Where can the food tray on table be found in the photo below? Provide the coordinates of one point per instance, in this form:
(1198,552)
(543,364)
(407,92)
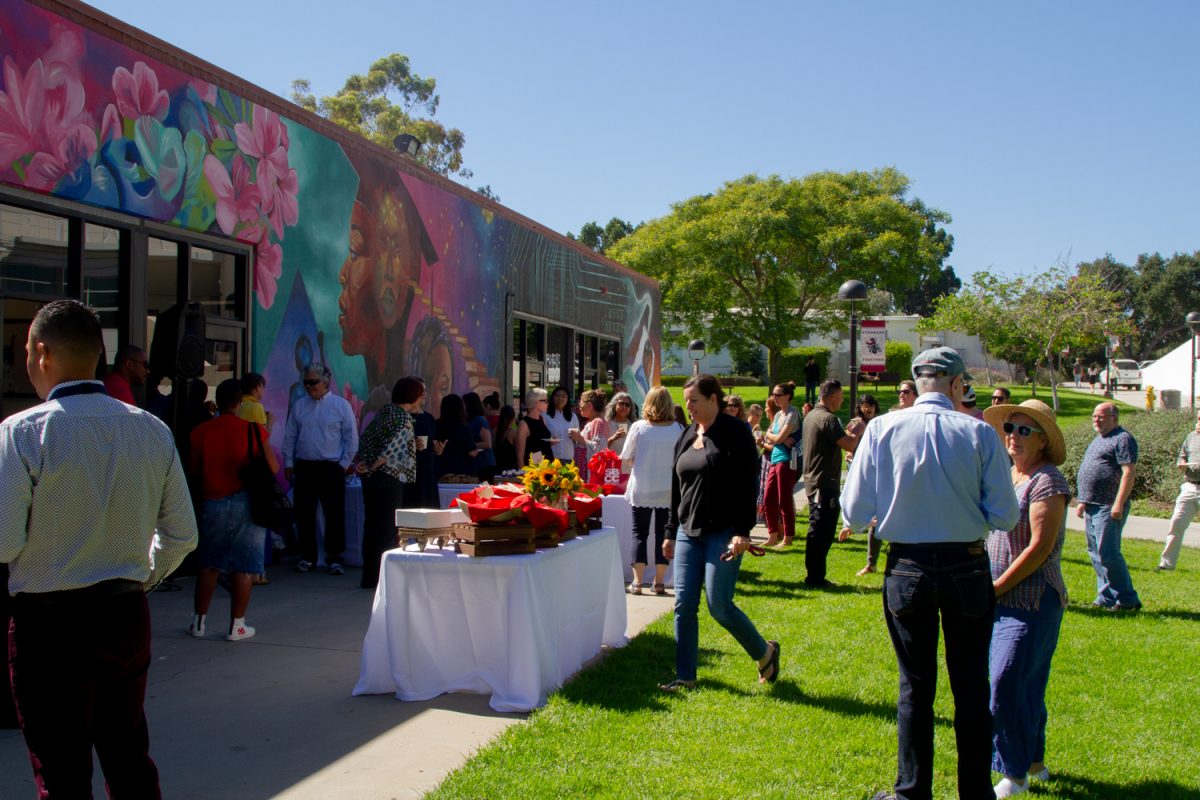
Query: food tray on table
(493,540)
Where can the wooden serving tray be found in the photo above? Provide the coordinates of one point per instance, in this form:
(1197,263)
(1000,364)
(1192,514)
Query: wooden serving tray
(477,534)
(496,548)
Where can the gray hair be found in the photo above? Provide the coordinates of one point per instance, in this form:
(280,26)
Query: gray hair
(319,369)
(934,383)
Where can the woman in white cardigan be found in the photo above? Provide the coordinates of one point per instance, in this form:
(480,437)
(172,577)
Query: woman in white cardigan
(648,456)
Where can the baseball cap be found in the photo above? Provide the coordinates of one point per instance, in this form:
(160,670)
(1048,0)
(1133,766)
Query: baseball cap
(940,359)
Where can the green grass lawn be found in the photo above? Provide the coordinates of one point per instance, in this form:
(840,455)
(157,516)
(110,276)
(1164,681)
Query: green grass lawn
(1123,701)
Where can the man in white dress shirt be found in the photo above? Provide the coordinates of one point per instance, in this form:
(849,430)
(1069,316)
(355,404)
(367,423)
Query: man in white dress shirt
(319,442)
(94,510)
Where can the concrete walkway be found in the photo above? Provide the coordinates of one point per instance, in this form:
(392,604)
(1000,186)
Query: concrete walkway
(272,717)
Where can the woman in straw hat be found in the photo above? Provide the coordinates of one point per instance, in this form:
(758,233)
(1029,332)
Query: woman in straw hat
(1030,592)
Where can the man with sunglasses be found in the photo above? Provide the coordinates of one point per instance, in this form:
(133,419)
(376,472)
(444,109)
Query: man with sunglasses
(1001,396)
(319,441)
(1105,483)
(937,481)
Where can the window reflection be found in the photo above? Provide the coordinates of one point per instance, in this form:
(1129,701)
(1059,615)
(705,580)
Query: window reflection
(33,252)
(216,284)
(101,273)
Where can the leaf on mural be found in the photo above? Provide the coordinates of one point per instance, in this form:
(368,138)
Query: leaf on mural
(161,150)
(195,149)
(223,149)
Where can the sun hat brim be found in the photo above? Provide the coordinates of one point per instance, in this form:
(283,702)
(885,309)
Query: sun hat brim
(1039,412)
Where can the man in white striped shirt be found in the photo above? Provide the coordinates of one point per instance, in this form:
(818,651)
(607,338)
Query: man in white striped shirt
(94,510)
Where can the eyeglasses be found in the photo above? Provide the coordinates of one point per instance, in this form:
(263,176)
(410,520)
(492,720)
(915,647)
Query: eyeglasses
(1100,416)
(311,381)
(1024,431)
(543,399)
(779,394)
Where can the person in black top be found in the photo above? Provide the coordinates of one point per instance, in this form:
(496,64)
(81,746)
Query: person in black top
(458,446)
(423,492)
(506,440)
(714,492)
(532,434)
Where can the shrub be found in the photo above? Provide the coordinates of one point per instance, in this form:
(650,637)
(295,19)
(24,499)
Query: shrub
(748,359)
(673,380)
(791,366)
(899,357)
(1159,435)
(726,380)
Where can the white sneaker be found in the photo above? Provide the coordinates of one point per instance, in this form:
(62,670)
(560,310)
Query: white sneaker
(196,628)
(1042,775)
(1007,787)
(240,632)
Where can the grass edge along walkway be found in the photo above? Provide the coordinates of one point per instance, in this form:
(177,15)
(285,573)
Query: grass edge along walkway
(1122,701)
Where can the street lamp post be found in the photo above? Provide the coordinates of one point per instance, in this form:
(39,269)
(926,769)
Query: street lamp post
(696,351)
(853,291)
(1193,323)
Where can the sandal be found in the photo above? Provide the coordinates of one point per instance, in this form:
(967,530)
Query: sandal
(635,588)
(772,665)
(676,686)
(660,588)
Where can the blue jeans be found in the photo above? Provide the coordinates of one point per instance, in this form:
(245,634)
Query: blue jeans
(698,563)
(1114,586)
(921,584)
(1023,643)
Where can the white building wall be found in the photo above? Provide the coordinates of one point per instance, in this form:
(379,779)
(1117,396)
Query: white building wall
(900,328)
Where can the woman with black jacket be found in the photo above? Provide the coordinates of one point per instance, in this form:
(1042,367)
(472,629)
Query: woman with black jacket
(714,492)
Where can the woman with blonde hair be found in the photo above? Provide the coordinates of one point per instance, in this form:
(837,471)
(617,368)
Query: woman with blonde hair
(532,434)
(648,456)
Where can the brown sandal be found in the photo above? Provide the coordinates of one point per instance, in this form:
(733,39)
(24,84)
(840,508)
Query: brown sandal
(772,665)
(660,588)
(676,686)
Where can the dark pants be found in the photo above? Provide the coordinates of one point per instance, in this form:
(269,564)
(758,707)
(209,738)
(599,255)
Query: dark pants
(382,495)
(8,712)
(822,525)
(641,532)
(321,482)
(78,661)
(810,393)
(921,583)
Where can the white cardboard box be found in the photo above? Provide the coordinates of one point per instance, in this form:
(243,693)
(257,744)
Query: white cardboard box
(426,518)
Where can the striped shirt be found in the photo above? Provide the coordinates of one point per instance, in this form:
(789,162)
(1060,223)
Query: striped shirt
(91,489)
(1004,546)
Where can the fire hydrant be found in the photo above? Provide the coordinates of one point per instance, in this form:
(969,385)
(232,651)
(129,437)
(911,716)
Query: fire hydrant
(1149,398)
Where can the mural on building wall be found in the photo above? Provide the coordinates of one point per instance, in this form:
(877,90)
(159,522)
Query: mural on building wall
(356,263)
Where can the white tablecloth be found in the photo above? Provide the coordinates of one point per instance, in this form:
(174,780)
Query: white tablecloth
(513,626)
(618,514)
(448,491)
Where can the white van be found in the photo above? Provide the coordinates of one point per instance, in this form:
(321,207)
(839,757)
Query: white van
(1126,373)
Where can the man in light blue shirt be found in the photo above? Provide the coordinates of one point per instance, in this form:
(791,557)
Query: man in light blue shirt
(936,481)
(319,441)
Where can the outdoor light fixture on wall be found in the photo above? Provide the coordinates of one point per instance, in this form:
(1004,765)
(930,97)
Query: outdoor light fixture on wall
(853,291)
(407,144)
(696,351)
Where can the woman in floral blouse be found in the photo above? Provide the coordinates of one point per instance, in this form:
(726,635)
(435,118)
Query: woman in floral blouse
(386,461)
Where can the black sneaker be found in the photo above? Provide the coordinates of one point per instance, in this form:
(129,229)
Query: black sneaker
(336,569)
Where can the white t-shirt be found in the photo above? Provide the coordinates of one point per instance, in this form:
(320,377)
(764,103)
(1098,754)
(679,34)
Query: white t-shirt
(651,451)
(558,425)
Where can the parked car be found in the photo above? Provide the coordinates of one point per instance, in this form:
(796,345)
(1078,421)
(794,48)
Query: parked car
(1144,364)
(1126,374)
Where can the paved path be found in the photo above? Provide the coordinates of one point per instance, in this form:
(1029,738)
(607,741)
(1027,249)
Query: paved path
(272,717)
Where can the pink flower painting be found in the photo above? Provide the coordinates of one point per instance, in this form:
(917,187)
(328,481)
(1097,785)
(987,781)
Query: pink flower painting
(138,94)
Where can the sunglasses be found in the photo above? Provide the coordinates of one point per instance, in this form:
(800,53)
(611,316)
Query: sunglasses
(907,391)
(1024,431)
(996,397)
(311,381)
(624,403)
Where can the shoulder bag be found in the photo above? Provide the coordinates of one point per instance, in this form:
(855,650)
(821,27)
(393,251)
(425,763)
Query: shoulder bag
(269,504)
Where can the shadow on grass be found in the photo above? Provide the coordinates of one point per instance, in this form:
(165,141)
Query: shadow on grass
(1080,788)
(628,678)
(1153,613)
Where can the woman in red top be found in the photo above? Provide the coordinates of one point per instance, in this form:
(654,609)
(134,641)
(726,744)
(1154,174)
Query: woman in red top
(229,541)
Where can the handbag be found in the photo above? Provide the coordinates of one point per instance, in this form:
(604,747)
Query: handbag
(269,504)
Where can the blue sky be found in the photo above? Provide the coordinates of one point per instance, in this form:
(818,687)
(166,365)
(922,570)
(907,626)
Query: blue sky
(1049,131)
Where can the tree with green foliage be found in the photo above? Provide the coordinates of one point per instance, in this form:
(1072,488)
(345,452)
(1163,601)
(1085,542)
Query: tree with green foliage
(601,239)
(919,299)
(1156,293)
(1029,321)
(390,100)
(761,259)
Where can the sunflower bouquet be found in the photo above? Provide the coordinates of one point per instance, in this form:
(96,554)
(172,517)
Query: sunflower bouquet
(551,482)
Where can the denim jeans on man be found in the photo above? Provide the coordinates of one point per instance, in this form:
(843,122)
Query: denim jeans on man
(1023,644)
(1114,586)
(922,583)
(698,563)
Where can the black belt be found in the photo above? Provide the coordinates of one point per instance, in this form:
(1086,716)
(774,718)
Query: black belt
(899,547)
(109,588)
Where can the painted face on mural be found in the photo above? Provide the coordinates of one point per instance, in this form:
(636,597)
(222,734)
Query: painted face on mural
(357,315)
(397,259)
